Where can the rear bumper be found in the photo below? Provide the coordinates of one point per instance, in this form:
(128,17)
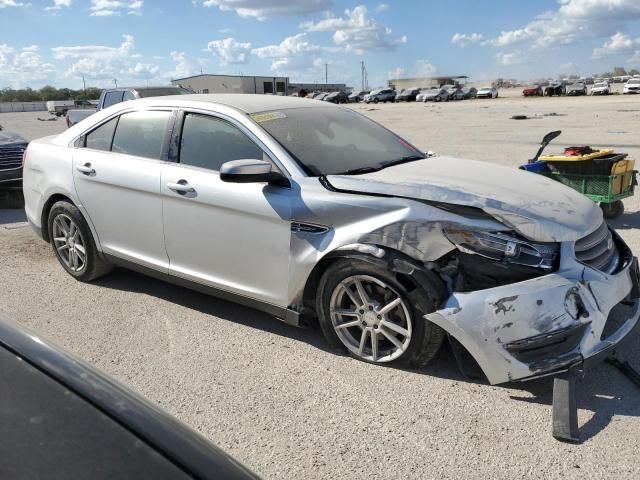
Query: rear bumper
(545,325)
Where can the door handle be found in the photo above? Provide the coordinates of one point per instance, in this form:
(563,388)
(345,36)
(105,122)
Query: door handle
(86,169)
(181,186)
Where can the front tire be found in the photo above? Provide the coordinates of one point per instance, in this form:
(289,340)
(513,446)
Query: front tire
(73,243)
(364,310)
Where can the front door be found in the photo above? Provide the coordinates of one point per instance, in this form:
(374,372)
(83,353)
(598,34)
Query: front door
(231,236)
(117,179)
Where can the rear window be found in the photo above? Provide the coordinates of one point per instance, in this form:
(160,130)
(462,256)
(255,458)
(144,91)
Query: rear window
(161,92)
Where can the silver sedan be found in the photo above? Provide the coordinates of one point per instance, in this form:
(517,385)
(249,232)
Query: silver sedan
(313,212)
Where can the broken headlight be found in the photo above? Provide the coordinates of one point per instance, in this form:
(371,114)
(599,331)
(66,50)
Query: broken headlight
(505,247)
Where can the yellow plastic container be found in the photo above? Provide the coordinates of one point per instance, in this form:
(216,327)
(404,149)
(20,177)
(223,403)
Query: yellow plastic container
(577,158)
(622,183)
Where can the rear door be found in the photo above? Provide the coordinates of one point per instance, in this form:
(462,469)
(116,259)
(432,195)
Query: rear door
(117,178)
(231,236)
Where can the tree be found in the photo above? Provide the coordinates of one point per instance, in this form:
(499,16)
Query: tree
(618,72)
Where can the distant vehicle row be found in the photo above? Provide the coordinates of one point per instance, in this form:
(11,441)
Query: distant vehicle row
(561,87)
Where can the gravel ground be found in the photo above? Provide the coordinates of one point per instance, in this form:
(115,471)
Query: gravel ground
(276,399)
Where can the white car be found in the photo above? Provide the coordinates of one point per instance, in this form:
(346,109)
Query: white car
(600,88)
(487,92)
(632,86)
(310,209)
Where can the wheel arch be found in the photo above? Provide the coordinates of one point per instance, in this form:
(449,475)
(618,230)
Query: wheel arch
(409,272)
(46,208)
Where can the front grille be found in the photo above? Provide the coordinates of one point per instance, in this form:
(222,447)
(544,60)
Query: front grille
(11,157)
(598,250)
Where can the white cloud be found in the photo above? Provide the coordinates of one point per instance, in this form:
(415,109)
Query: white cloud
(424,69)
(573,21)
(23,66)
(10,3)
(263,9)
(397,72)
(184,66)
(229,51)
(383,7)
(511,58)
(619,43)
(58,4)
(464,39)
(356,32)
(108,8)
(102,62)
(292,55)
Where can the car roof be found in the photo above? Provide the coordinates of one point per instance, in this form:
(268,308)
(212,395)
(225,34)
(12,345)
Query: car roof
(245,102)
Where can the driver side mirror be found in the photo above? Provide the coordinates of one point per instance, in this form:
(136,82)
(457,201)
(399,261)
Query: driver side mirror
(250,171)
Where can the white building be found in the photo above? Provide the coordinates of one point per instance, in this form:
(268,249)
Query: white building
(207,83)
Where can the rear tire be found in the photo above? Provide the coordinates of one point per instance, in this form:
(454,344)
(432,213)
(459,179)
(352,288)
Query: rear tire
(388,314)
(73,243)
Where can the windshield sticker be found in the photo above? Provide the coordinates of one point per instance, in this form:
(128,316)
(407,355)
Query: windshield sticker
(265,117)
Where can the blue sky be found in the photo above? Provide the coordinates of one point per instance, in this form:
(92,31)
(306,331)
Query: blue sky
(59,41)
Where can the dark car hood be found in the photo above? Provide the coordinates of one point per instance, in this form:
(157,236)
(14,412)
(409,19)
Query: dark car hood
(11,138)
(537,207)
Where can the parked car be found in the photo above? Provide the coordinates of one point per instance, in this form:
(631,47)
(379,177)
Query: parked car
(487,92)
(600,88)
(632,86)
(455,93)
(12,147)
(321,96)
(357,95)
(315,210)
(116,95)
(337,97)
(83,424)
(469,92)
(532,91)
(555,89)
(408,95)
(383,95)
(435,95)
(59,108)
(576,89)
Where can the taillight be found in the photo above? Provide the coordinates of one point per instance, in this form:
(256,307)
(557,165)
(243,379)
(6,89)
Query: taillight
(24,158)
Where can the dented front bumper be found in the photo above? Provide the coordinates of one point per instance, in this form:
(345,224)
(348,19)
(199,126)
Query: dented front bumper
(545,325)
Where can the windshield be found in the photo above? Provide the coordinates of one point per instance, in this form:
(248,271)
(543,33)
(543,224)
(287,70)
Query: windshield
(329,141)
(634,82)
(599,85)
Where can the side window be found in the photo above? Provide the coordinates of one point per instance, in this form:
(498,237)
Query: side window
(128,95)
(111,98)
(100,138)
(209,142)
(141,133)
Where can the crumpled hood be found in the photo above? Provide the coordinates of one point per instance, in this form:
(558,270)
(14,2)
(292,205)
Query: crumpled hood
(11,138)
(537,207)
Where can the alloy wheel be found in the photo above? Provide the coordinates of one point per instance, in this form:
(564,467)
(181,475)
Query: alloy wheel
(370,318)
(69,243)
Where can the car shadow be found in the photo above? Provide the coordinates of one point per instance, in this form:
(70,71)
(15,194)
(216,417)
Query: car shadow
(614,395)
(626,221)
(130,281)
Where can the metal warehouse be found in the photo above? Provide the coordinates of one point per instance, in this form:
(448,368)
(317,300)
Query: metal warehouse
(400,83)
(207,83)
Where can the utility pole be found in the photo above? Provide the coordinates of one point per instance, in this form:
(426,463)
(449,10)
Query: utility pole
(115,80)
(362,72)
(326,73)
(84,87)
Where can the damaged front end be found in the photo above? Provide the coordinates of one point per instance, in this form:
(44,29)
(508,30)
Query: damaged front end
(573,311)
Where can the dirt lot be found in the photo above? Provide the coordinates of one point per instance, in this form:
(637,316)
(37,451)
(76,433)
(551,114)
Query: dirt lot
(275,398)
